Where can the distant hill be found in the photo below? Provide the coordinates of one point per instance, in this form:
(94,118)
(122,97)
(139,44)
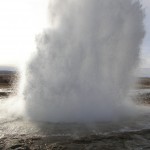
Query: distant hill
(144,72)
(7,70)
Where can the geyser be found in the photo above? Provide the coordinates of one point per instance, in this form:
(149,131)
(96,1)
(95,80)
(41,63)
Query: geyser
(85,61)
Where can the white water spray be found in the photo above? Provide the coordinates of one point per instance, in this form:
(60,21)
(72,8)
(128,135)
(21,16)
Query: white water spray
(84,66)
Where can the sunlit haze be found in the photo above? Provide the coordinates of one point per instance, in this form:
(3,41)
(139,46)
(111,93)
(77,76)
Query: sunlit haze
(21,20)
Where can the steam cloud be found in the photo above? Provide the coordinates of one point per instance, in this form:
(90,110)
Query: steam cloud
(84,66)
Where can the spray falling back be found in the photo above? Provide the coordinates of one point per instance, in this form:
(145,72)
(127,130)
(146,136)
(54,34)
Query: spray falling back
(85,61)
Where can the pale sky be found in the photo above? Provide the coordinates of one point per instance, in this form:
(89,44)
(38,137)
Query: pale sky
(146,44)
(21,20)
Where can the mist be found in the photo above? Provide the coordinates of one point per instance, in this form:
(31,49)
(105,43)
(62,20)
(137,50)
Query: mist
(85,62)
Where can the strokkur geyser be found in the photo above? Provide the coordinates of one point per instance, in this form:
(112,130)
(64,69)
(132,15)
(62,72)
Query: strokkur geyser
(85,61)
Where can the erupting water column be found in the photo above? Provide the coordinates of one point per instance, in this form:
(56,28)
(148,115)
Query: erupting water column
(85,61)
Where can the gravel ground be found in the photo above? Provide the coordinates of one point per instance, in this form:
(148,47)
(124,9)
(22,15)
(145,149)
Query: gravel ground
(135,140)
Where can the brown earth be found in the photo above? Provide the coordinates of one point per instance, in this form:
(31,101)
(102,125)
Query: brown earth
(143,83)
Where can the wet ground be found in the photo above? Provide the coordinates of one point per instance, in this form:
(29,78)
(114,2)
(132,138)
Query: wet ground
(114,141)
(130,133)
(131,140)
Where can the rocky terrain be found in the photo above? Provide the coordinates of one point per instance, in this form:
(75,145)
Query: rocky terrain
(133,140)
(143,99)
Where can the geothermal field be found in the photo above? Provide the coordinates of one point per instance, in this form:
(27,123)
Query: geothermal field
(80,89)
